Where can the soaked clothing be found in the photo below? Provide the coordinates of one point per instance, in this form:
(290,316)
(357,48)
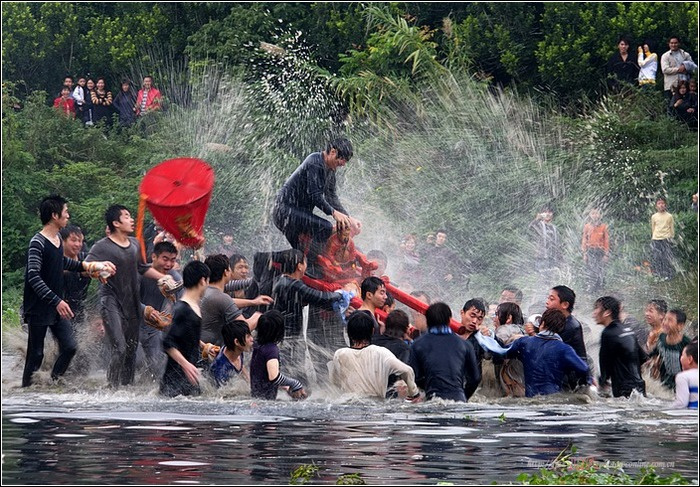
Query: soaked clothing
(670,362)
(151,339)
(120,305)
(222,369)
(183,334)
(366,371)
(572,335)
(291,295)
(43,291)
(75,289)
(445,366)
(400,349)
(311,185)
(260,384)
(546,360)
(217,308)
(686,390)
(621,359)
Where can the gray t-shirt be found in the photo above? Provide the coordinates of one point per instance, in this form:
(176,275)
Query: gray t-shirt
(123,286)
(217,308)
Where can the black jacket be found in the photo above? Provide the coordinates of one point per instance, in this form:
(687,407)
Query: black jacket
(620,359)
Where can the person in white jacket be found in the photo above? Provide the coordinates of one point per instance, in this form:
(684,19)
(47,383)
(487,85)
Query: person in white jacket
(648,65)
(78,95)
(676,64)
(364,369)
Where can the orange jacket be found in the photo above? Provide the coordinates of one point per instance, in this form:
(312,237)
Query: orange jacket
(595,237)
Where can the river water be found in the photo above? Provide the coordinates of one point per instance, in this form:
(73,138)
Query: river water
(81,432)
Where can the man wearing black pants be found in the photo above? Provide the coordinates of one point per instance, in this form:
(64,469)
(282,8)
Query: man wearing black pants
(44,306)
(313,185)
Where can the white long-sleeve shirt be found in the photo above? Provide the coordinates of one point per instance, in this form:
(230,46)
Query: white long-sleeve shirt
(366,371)
(79,95)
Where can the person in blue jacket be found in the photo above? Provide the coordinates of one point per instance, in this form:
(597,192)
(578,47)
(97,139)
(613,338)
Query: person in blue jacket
(546,358)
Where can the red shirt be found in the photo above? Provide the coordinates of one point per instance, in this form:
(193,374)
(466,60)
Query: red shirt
(66,105)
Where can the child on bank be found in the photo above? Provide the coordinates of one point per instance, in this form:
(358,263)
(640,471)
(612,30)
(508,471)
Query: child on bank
(265,369)
(687,380)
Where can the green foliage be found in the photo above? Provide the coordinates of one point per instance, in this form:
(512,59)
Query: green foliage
(564,470)
(350,479)
(303,474)
(11,302)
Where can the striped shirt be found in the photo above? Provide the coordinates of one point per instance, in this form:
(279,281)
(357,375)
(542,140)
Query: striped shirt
(43,278)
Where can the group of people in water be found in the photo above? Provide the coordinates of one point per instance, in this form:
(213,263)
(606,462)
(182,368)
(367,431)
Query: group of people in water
(209,317)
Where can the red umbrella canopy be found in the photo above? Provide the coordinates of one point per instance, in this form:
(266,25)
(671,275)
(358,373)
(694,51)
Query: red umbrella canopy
(177,193)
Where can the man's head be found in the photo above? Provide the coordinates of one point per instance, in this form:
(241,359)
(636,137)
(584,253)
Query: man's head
(54,208)
(381,259)
(660,205)
(164,256)
(606,310)
(438,314)
(360,328)
(689,357)
(373,291)
(220,268)
(237,336)
(654,312)
(553,320)
(119,218)
(594,215)
(546,213)
(338,152)
(440,237)
(674,43)
(396,324)
(239,266)
(270,327)
(195,276)
(389,304)
(68,82)
(562,298)
(227,239)
(293,261)
(73,238)
(511,294)
(623,44)
(674,321)
(472,314)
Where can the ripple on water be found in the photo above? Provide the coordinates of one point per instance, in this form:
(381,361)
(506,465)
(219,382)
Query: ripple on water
(441,431)
(157,427)
(182,463)
(69,435)
(24,420)
(367,439)
(529,434)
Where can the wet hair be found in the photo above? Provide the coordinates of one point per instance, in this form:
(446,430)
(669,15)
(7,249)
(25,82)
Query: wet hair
(609,303)
(504,310)
(396,324)
(477,303)
(659,305)
(193,272)
(679,314)
(389,301)
(370,285)
(291,261)
(438,314)
(554,320)
(270,327)
(236,258)
(234,330)
(691,350)
(50,205)
(162,247)
(360,327)
(218,264)
(418,294)
(113,214)
(516,291)
(566,294)
(70,230)
(377,255)
(342,146)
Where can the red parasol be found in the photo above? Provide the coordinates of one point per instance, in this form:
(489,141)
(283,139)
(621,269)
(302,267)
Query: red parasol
(177,192)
